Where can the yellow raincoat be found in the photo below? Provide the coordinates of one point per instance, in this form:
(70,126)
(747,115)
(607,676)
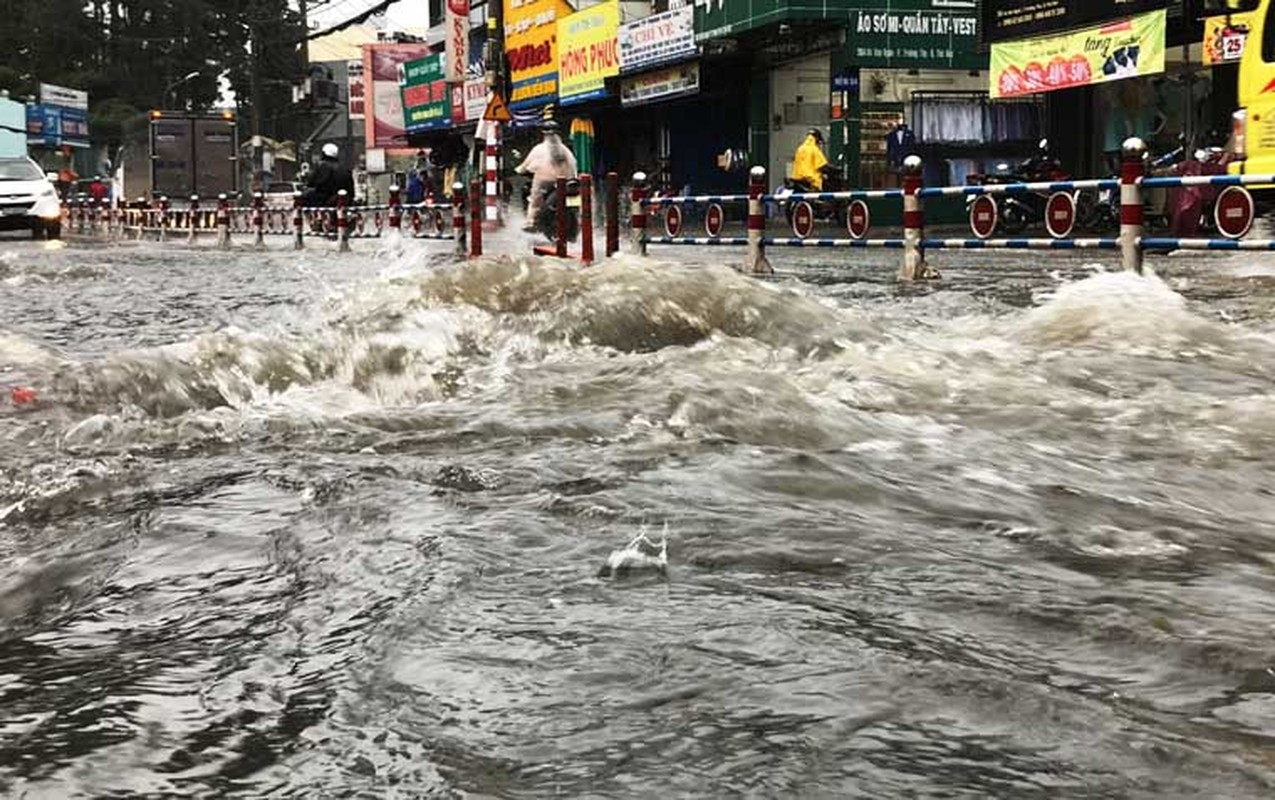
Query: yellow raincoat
(808,162)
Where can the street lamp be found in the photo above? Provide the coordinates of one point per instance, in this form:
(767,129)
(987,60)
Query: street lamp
(179,82)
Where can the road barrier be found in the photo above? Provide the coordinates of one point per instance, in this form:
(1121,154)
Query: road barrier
(340,223)
(1233,217)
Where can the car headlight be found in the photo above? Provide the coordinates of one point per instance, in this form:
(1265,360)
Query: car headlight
(49,191)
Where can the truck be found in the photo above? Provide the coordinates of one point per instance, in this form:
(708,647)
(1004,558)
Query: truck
(179,154)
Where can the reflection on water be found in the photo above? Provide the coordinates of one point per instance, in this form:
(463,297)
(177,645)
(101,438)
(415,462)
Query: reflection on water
(305,525)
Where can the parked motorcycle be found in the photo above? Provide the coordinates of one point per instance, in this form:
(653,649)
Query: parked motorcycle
(1098,210)
(1016,211)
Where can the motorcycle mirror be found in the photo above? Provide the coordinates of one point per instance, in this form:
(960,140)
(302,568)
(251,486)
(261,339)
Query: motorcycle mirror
(1044,144)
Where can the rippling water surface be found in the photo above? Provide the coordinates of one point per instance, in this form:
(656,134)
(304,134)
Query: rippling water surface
(310,525)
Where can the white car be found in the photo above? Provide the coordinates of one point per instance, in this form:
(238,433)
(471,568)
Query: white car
(28,200)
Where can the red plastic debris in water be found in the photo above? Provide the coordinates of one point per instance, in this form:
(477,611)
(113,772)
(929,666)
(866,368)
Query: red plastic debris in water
(22,395)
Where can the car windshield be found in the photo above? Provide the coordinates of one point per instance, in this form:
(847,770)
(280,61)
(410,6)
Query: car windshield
(19,169)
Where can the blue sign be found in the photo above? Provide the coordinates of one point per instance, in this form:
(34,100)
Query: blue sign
(846,81)
(54,126)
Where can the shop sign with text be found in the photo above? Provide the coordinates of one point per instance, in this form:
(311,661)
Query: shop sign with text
(531,46)
(916,34)
(1124,49)
(383,66)
(658,39)
(426,97)
(357,89)
(469,100)
(588,52)
(456,25)
(660,84)
(1224,40)
(1006,20)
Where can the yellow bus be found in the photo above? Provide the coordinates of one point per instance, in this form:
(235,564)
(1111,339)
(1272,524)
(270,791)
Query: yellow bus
(1253,123)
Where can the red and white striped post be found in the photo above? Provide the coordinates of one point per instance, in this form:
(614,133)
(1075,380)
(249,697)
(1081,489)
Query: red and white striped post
(163,218)
(396,211)
(637,215)
(914,266)
(492,187)
(475,218)
(258,220)
(757,262)
(193,217)
(458,218)
(342,222)
(560,218)
(223,222)
(1132,170)
(613,214)
(586,219)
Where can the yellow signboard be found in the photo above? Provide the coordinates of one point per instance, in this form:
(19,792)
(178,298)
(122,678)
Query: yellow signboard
(531,45)
(1124,49)
(1223,40)
(588,52)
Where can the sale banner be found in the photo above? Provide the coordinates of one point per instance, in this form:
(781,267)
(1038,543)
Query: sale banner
(1125,49)
(588,52)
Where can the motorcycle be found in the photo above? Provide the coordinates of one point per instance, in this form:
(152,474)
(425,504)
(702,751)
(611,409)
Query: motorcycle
(834,180)
(546,221)
(1098,210)
(1016,211)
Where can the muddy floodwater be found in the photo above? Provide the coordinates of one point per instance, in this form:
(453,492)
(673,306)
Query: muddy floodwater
(373,525)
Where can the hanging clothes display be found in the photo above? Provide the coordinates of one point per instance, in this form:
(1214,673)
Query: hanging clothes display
(972,118)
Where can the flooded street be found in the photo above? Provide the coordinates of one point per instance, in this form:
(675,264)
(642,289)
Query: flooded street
(313,525)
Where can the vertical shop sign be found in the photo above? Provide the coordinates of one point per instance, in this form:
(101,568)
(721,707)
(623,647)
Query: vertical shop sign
(531,45)
(1125,49)
(457,27)
(356,89)
(588,52)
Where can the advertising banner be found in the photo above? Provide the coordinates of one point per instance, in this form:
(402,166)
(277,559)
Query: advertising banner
(54,95)
(587,52)
(916,33)
(1224,42)
(469,100)
(1007,20)
(383,108)
(1124,49)
(531,46)
(658,39)
(426,97)
(456,29)
(357,91)
(660,84)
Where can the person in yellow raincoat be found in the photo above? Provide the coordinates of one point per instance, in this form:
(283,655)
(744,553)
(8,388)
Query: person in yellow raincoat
(808,163)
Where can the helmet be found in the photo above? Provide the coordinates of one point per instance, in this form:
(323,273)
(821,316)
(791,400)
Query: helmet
(548,126)
(815,132)
(330,150)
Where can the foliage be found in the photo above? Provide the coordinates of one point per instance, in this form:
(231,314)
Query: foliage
(130,55)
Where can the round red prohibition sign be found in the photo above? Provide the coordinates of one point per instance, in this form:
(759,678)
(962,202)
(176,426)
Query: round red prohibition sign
(983,213)
(858,219)
(1233,212)
(673,221)
(803,219)
(1060,214)
(713,219)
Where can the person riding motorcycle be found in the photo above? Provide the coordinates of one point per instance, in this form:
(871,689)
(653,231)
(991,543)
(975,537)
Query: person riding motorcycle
(326,179)
(809,162)
(547,162)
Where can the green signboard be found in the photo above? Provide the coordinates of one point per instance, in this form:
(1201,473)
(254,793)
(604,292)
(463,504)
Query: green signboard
(427,103)
(915,33)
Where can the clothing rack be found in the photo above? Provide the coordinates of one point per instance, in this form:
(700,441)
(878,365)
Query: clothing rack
(963,117)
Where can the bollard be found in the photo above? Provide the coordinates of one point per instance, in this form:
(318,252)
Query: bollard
(475,218)
(258,220)
(613,214)
(342,222)
(757,262)
(223,222)
(1132,169)
(586,219)
(193,217)
(396,210)
(94,219)
(914,266)
(560,218)
(458,218)
(637,215)
(298,222)
(163,218)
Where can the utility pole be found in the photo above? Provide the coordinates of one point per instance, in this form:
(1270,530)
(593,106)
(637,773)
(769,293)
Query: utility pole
(305,37)
(254,36)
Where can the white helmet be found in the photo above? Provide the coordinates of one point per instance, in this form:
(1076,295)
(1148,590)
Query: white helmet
(330,150)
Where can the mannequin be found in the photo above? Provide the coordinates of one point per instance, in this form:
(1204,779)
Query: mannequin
(899,144)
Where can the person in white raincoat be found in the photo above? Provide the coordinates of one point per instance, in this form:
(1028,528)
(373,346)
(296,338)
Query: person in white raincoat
(547,161)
